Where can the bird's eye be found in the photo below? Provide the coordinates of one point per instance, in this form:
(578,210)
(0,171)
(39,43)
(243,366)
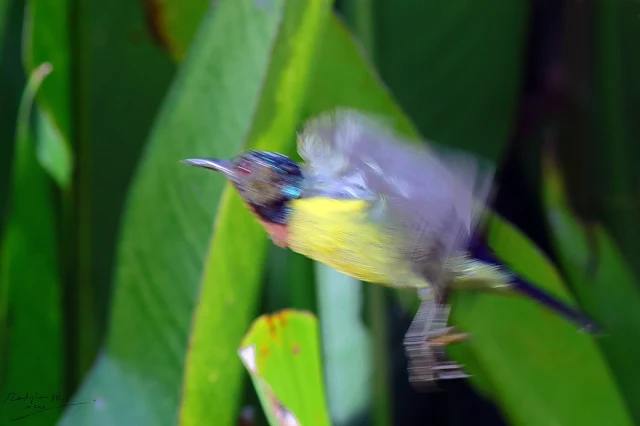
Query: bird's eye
(244,168)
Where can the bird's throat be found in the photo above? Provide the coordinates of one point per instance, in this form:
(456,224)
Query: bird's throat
(277,231)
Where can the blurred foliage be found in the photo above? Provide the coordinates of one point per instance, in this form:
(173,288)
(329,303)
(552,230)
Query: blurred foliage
(30,286)
(120,75)
(456,67)
(12,80)
(593,262)
(138,277)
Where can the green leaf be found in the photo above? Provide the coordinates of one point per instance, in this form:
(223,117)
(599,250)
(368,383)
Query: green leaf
(273,128)
(531,357)
(455,66)
(120,80)
(344,77)
(171,255)
(347,347)
(53,154)
(282,355)
(31,340)
(603,283)
(289,280)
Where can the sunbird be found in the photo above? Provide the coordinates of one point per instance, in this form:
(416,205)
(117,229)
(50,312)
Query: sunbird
(375,206)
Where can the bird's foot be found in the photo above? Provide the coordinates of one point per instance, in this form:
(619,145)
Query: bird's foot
(444,336)
(425,344)
(428,361)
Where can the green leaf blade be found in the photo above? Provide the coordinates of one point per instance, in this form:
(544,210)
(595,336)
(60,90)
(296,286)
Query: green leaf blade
(227,289)
(170,216)
(602,280)
(115,103)
(456,67)
(30,285)
(282,354)
(532,357)
(53,153)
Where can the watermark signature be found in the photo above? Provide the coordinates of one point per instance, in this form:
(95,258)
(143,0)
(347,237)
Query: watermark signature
(34,403)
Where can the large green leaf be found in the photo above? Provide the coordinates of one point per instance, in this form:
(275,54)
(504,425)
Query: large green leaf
(344,77)
(455,66)
(282,355)
(31,337)
(273,128)
(226,90)
(120,79)
(533,358)
(602,281)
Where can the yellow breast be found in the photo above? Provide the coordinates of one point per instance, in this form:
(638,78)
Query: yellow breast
(340,234)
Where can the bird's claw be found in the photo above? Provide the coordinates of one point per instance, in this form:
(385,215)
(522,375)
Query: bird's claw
(427,358)
(445,336)
(425,344)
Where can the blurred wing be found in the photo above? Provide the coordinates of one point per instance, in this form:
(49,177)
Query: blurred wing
(431,199)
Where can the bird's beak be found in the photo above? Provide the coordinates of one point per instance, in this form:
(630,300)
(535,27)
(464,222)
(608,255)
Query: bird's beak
(223,166)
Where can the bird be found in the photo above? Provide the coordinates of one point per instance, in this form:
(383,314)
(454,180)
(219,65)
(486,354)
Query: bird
(385,210)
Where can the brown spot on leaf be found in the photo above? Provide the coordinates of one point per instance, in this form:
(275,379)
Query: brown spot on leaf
(270,323)
(282,317)
(296,349)
(264,351)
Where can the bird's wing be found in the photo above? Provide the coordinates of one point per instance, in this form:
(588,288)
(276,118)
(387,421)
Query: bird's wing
(431,199)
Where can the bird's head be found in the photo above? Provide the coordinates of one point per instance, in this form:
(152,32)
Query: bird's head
(266,181)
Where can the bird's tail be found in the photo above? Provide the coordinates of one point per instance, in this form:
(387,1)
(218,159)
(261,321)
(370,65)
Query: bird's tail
(481,251)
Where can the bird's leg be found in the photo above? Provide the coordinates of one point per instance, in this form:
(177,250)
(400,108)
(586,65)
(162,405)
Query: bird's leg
(426,339)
